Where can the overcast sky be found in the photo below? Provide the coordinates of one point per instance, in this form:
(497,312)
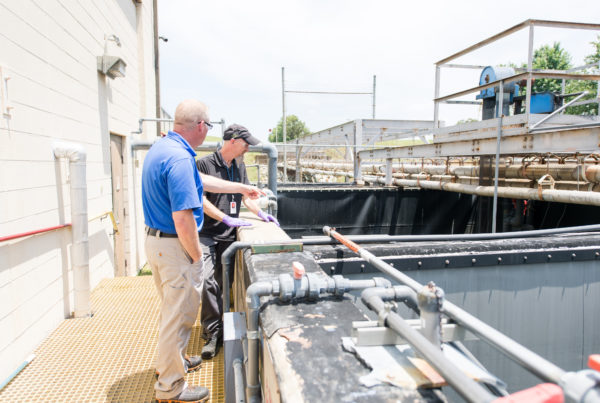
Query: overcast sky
(229,54)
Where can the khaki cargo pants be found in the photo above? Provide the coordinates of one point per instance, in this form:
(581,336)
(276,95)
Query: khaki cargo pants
(179,285)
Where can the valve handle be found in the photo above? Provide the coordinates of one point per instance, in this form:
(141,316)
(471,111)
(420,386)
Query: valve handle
(594,362)
(298,270)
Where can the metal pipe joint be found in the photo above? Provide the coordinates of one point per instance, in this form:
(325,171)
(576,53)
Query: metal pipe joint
(430,299)
(581,386)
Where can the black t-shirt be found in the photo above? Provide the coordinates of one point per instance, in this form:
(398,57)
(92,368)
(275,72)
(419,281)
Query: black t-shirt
(214,165)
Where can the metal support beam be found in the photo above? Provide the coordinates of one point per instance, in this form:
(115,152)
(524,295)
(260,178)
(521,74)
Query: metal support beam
(374,97)
(284,124)
(582,140)
(499,115)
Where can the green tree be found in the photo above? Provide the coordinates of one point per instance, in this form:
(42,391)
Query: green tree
(295,128)
(590,86)
(550,58)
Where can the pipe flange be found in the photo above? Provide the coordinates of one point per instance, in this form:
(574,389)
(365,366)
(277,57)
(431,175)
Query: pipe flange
(383,314)
(275,287)
(581,385)
(313,286)
(341,285)
(430,298)
(286,287)
(382,282)
(329,285)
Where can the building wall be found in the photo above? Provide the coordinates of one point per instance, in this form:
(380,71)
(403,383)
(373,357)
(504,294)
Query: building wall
(49,49)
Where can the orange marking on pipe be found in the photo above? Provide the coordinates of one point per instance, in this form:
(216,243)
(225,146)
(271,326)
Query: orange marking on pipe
(353,246)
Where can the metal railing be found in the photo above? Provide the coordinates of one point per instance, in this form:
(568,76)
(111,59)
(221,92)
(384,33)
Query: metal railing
(529,74)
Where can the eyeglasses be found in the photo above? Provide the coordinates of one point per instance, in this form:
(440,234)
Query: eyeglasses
(208,125)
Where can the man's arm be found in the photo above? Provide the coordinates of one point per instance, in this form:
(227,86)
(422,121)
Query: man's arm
(211,210)
(216,185)
(187,231)
(253,206)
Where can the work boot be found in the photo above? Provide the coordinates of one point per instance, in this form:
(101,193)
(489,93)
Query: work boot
(191,364)
(191,394)
(211,347)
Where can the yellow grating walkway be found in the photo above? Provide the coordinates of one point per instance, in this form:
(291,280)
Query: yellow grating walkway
(109,357)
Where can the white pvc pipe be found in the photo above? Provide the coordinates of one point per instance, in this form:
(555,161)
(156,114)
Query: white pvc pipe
(80,250)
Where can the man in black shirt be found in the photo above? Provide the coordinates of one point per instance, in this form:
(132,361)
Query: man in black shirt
(216,236)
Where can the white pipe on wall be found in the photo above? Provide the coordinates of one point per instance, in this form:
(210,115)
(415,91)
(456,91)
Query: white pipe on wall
(80,250)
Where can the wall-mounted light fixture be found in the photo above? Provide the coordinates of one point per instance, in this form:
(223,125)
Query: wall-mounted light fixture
(112,66)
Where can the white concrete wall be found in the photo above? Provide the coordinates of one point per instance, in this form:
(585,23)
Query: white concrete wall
(49,50)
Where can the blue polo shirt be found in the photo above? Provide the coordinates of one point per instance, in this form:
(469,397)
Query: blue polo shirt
(170,182)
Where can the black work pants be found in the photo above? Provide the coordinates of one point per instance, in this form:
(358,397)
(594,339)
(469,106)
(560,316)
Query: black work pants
(212,294)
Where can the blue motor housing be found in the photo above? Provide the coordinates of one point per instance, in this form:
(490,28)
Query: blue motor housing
(490,96)
(495,73)
(544,102)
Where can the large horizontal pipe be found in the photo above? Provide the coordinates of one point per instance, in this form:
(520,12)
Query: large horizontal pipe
(566,172)
(582,187)
(549,195)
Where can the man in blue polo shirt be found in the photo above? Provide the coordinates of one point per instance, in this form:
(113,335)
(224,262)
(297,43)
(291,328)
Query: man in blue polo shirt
(172,200)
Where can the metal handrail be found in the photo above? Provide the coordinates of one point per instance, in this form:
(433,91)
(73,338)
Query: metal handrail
(528,74)
(521,76)
(34,232)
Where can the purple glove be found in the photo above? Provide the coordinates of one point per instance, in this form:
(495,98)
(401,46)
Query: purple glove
(267,217)
(235,222)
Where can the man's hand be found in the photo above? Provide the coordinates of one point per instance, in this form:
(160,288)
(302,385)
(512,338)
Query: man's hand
(267,217)
(252,192)
(235,222)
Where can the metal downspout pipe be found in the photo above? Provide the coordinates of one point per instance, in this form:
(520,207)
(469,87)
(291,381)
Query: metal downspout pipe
(80,252)
(470,390)
(266,148)
(271,151)
(240,396)
(536,364)
(253,294)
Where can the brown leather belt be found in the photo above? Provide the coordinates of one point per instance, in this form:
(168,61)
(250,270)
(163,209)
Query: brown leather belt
(153,231)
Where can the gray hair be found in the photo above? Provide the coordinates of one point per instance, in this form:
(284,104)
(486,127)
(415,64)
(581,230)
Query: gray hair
(190,112)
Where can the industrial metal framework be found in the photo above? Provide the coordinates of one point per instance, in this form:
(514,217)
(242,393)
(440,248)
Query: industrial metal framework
(552,138)
(528,75)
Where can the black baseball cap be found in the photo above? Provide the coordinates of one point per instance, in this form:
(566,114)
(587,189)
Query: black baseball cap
(240,132)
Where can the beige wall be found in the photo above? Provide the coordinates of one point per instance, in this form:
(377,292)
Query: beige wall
(49,49)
